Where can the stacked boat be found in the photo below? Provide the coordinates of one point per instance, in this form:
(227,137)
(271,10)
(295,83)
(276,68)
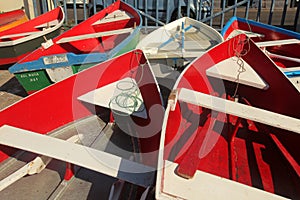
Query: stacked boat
(97,124)
(23,37)
(281,45)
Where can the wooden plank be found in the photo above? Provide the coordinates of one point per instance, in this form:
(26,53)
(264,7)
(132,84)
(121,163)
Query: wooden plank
(19,34)
(240,110)
(207,185)
(248,33)
(48,24)
(229,69)
(122,96)
(117,15)
(94,35)
(277,42)
(173,54)
(80,155)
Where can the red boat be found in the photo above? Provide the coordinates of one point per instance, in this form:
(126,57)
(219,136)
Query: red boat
(17,42)
(11,19)
(110,32)
(113,112)
(231,129)
(281,45)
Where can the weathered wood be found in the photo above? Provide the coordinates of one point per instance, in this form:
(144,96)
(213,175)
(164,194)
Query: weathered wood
(277,42)
(93,35)
(209,186)
(80,155)
(240,110)
(19,34)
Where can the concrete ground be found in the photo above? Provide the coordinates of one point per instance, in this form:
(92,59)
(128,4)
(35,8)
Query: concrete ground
(10,89)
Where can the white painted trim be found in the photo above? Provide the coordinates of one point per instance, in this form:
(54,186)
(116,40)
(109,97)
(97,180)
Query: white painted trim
(80,155)
(277,42)
(240,110)
(94,35)
(34,36)
(161,164)
(19,34)
(208,186)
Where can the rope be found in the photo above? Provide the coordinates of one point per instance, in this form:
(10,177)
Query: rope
(239,51)
(128,98)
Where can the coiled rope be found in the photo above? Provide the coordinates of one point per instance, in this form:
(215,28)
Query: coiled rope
(127,92)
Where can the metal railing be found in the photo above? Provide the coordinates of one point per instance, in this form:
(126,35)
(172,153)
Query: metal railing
(212,12)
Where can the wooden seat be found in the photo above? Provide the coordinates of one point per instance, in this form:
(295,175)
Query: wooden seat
(48,24)
(240,110)
(105,96)
(19,35)
(114,16)
(277,42)
(94,35)
(208,185)
(77,154)
(228,70)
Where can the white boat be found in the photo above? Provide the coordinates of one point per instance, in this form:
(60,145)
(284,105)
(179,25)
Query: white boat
(179,41)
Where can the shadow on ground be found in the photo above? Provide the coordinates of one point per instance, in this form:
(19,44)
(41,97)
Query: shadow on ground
(14,87)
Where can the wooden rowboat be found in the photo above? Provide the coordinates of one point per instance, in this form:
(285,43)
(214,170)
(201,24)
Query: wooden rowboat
(17,42)
(282,45)
(171,47)
(231,127)
(111,32)
(11,19)
(179,41)
(104,120)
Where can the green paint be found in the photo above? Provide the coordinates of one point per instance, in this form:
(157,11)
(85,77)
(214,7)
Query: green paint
(34,80)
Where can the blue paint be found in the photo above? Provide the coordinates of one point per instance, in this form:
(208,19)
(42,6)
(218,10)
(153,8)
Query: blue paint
(292,73)
(73,59)
(176,36)
(258,24)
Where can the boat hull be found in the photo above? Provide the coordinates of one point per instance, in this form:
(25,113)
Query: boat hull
(12,54)
(33,81)
(80,53)
(116,135)
(12,19)
(19,41)
(207,139)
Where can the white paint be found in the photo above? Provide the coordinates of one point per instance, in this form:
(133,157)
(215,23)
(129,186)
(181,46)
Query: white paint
(80,155)
(193,47)
(60,73)
(104,96)
(117,15)
(34,36)
(93,35)
(207,186)
(240,110)
(229,69)
(277,42)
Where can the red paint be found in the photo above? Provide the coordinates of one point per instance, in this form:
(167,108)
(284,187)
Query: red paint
(244,151)
(57,105)
(93,45)
(69,173)
(291,50)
